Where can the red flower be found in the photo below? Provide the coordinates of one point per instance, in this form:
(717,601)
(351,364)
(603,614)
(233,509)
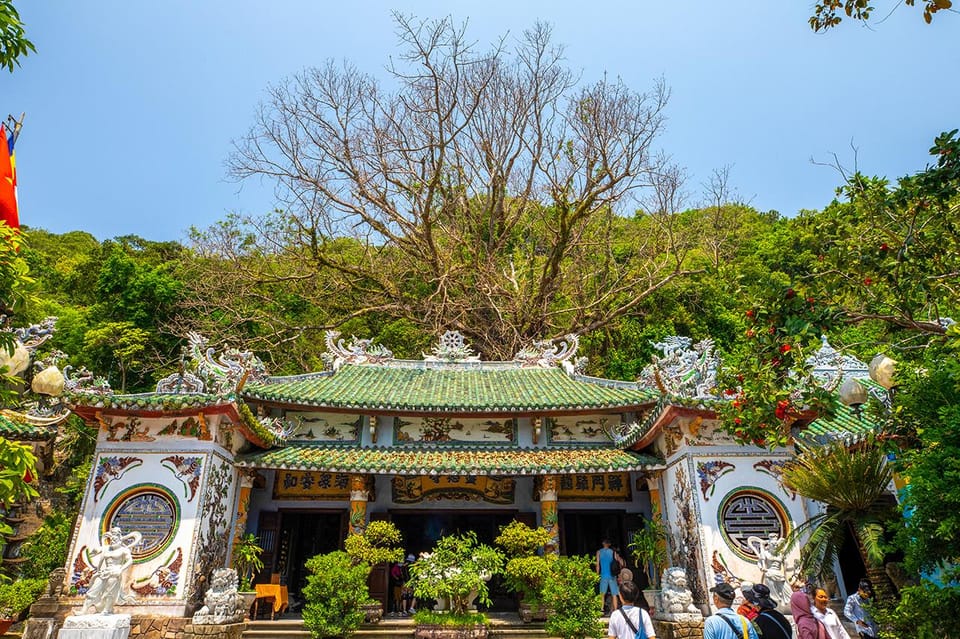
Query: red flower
(735,403)
(729,391)
(737,421)
(751,313)
(867,281)
(776,361)
(791,293)
(810,300)
(785,348)
(783,407)
(739,378)
(884,247)
(751,332)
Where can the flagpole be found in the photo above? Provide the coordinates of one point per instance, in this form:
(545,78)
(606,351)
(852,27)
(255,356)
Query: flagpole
(15,126)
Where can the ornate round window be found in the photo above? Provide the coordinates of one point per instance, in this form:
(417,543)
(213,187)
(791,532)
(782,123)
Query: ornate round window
(751,512)
(149,509)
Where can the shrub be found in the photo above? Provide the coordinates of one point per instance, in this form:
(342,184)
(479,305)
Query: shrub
(16,597)
(571,593)
(335,591)
(458,565)
(379,543)
(46,549)
(525,572)
(246,560)
(446,618)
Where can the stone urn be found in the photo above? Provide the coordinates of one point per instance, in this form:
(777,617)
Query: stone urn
(438,631)
(247,597)
(372,612)
(533,612)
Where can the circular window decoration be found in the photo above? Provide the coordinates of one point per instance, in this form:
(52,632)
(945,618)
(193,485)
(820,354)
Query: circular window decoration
(751,512)
(149,509)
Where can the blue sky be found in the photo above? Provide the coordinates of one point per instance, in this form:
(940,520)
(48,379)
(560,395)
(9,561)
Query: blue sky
(131,106)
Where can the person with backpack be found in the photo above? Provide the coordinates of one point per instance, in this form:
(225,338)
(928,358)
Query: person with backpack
(726,624)
(608,567)
(630,621)
(769,622)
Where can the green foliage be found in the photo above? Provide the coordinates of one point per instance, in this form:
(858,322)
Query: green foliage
(924,611)
(571,594)
(119,344)
(13,42)
(246,560)
(525,572)
(928,425)
(850,481)
(16,597)
(772,383)
(649,547)
(457,566)
(829,13)
(380,542)
(17,464)
(46,548)
(447,618)
(335,591)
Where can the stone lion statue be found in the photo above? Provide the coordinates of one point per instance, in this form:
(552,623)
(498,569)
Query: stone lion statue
(675,601)
(221,603)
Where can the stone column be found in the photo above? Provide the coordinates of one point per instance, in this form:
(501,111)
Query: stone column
(243,503)
(358,503)
(656,514)
(549,518)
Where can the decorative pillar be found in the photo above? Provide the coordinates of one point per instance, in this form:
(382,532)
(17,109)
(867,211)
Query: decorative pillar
(548,513)
(537,423)
(243,503)
(656,515)
(358,503)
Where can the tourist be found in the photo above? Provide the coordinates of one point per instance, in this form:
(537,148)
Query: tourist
(608,580)
(625,622)
(854,611)
(827,616)
(748,608)
(408,603)
(808,627)
(770,622)
(726,624)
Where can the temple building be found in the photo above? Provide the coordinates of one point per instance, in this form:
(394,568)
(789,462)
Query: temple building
(438,445)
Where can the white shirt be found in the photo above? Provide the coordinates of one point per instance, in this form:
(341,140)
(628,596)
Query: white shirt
(618,625)
(831,622)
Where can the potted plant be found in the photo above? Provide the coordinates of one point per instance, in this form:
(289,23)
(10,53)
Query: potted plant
(454,574)
(648,546)
(247,563)
(335,593)
(15,598)
(526,571)
(379,543)
(571,593)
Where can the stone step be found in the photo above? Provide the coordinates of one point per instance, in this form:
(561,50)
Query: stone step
(389,628)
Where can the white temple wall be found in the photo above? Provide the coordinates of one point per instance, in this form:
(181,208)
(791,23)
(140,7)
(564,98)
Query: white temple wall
(177,491)
(718,494)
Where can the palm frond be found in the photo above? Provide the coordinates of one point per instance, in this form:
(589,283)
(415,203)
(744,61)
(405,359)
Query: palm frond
(870,536)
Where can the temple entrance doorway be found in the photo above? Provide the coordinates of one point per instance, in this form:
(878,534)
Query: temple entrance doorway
(422,528)
(303,534)
(581,531)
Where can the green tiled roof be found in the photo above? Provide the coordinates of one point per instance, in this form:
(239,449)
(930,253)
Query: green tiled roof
(845,421)
(398,389)
(16,429)
(148,401)
(514,461)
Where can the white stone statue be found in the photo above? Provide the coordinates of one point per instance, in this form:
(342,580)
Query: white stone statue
(221,603)
(771,559)
(110,561)
(675,603)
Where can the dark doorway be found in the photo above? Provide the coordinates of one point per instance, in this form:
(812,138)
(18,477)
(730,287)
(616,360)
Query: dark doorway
(421,530)
(582,531)
(304,534)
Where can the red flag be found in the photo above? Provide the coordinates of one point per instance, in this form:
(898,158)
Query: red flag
(8,180)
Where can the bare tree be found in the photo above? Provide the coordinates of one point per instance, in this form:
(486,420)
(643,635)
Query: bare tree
(478,190)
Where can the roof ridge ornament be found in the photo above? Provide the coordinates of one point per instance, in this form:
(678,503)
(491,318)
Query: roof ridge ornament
(685,370)
(358,351)
(228,371)
(452,347)
(830,366)
(549,352)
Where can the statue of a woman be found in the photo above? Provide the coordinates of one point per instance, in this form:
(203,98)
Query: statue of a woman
(109,562)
